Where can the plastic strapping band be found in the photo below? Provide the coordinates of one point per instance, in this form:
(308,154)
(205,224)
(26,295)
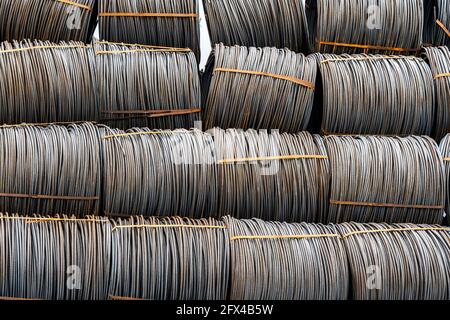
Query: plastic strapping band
(103,52)
(153,113)
(18,299)
(125,298)
(72,3)
(442,75)
(443,27)
(46,197)
(368,58)
(301,236)
(366,46)
(166,226)
(43,124)
(272,75)
(44,47)
(289,157)
(386,205)
(394,230)
(149,15)
(36,219)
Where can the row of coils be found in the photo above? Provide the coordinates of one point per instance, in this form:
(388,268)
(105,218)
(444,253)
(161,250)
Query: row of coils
(62,258)
(88,169)
(328,26)
(127,86)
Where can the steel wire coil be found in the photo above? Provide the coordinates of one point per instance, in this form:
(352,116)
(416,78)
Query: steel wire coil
(445,151)
(58,258)
(264,23)
(437,23)
(195,174)
(367,26)
(389,95)
(52,20)
(385,179)
(258,88)
(169,259)
(172,23)
(398,265)
(439,60)
(47,82)
(280,261)
(50,170)
(142,86)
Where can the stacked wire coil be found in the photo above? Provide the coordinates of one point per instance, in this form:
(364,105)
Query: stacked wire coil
(64,258)
(47,82)
(397,262)
(195,174)
(385,179)
(144,86)
(258,88)
(366,26)
(439,60)
(437,23)
(376,94)
(50,170)
(173,23)
(169,259)
(52,20)
(59,258)
(280,261)
(264,23)
(445,151)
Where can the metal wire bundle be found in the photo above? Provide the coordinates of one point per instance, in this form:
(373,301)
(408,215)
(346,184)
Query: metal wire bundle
(385,179)
(141,86)
(52,20)
(169,259)
(398,262)
(375,94)
(47,82)
(264,23)
(380,26)
(439,60)
(166,173)
(445,151)
(437,22)
(281,177)
(172,23)
(280,261)
(50,170)
(58,258)
(258,88)
(194,174)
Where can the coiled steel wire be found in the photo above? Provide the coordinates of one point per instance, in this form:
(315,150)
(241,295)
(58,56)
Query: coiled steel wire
(445,151)
(385,179)
(375,94)
(52,20)
(437,22)
(50,170)
(398,262)
(47,82)
(263,23)
(258,88)
(439,60)
(367,26)
(59,258)
(142,86)
(280,261)
(172,23)
(169,259)
(195,174)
